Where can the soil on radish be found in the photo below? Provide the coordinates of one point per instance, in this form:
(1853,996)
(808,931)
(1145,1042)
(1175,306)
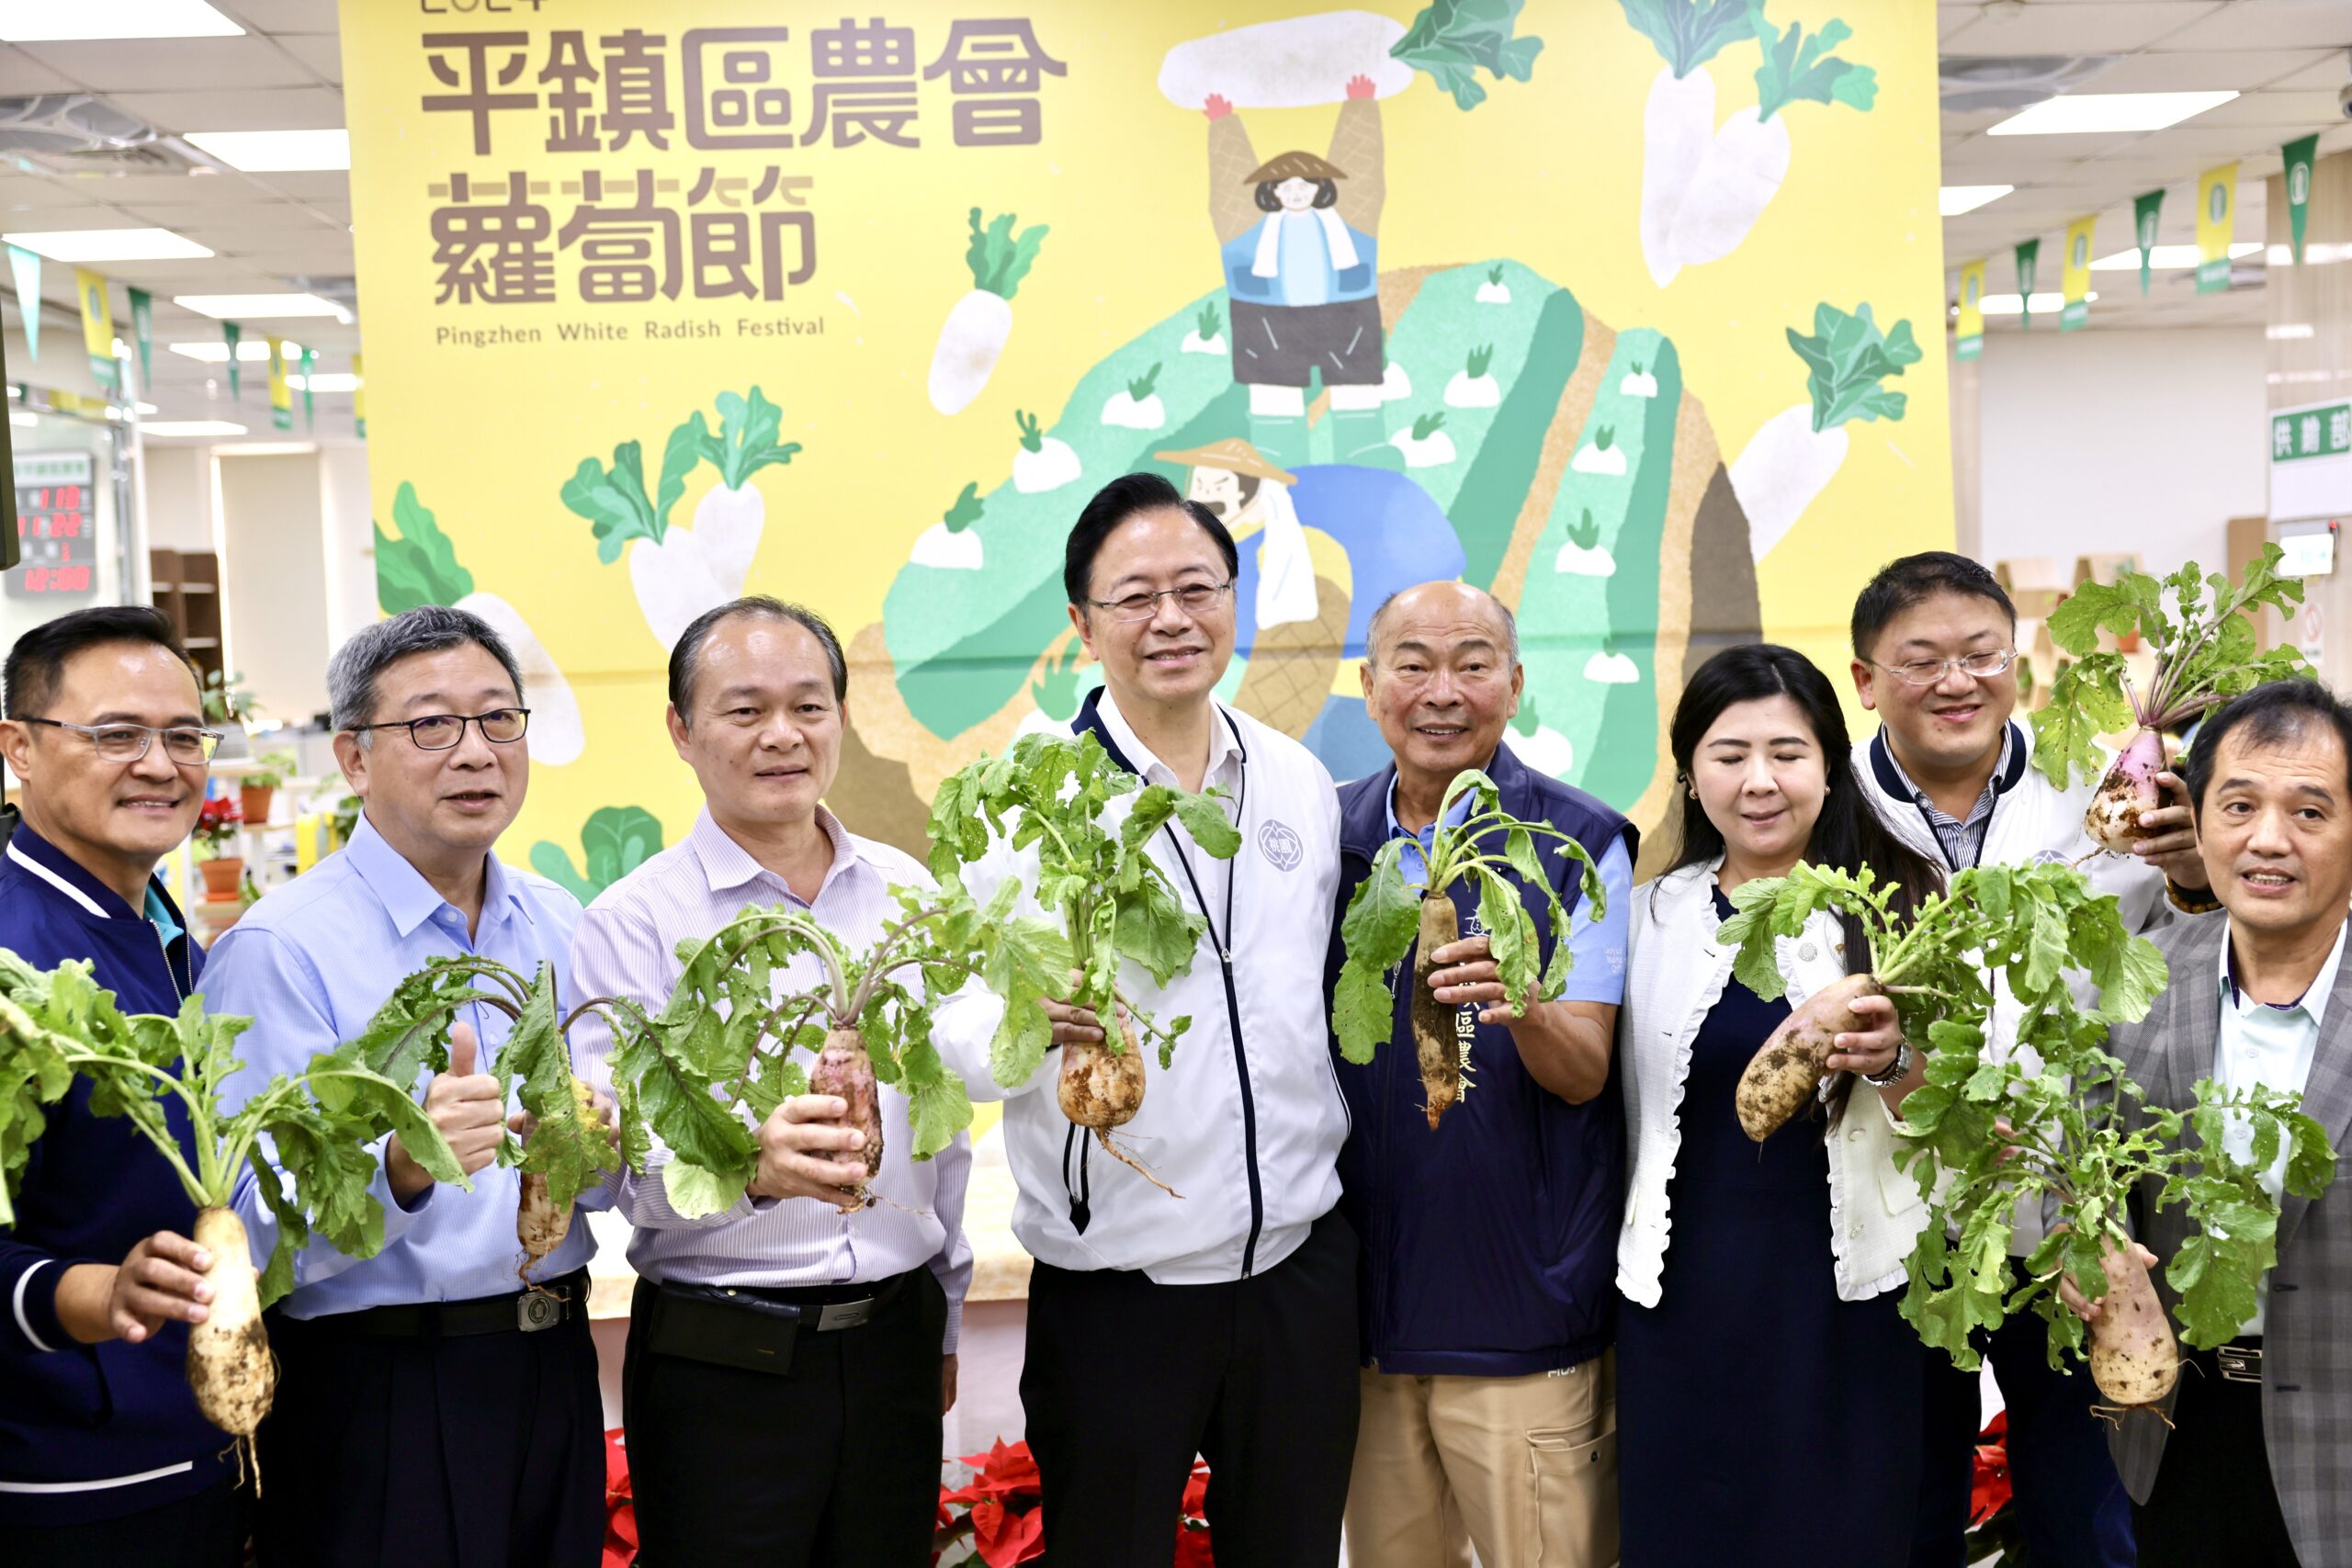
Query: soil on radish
(1434,1045)
(2134,1359)
(1784,1076)
(844,1069)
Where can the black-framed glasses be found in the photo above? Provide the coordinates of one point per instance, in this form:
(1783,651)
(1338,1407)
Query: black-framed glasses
(440,731)
(183,744)
(1193,599)
(1975,666)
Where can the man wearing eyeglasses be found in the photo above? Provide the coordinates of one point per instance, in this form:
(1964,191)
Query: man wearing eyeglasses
(428,1411)
(1949,771)
(103,1456)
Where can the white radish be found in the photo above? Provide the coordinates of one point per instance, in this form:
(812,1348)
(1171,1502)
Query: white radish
(1781,468)
(1434,451)
(1740,173)
(1584,560)
(1043,462)
(1678,126)
(1608,669)
(1546,751)
(676,581)
(1195,343)
(229,1364)
(556,736)
(940,545)
(1136,406)
(969,344)
(2128,790)
(1468,392)
(1394,383)
(729,521)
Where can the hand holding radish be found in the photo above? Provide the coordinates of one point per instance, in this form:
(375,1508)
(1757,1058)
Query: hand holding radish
(158,1281)
(466,1106)
(1073,1025)
(598,1111)
(2171,842)
(1466,972)
(1872,1052)
(2091,1311)
(797,1143)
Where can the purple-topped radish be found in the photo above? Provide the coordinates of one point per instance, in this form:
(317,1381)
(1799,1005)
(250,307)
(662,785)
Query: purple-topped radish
(2207,652)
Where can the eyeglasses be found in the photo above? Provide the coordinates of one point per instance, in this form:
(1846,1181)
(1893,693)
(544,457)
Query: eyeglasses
(129,742)
(1927,672)
(440,731)
(1193,599)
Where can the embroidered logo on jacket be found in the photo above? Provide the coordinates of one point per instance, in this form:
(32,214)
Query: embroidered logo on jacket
(1281,845)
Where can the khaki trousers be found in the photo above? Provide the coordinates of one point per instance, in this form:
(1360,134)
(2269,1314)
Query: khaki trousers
(1523,1468)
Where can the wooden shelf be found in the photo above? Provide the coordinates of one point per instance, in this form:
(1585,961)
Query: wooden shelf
(186,585)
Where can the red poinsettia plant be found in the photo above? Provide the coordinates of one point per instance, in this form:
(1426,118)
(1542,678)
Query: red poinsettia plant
(216,823)
(1995,1531)
(1001,1511)
(620,1505)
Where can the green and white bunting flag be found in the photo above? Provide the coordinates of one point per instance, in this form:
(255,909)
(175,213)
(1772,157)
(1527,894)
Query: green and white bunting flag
(2299,155)
(230,333)
(2144,211)
(142,335)
(24,270)
(359,395)
(2075,276)
(309,366)
(2217,216)
(2029,259)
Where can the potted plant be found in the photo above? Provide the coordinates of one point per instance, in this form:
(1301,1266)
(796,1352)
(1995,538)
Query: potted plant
(216,837)
(255,789)
(227,706)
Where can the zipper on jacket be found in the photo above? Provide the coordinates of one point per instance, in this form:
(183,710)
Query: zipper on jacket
(1223,941)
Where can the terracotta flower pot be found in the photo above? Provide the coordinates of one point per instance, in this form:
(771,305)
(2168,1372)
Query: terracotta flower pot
(253,802)
(222,875)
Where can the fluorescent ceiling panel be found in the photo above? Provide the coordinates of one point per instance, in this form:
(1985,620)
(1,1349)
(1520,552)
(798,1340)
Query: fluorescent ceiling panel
(2167,258)
(276,152)
(190,427)
(1953,200)
(2047,302)
(256,307)
(248,351)
(326,381)
(109,246)
(46,21)
(2093,114)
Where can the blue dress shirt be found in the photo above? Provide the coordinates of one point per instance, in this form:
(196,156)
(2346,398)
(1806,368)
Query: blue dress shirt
(310,964)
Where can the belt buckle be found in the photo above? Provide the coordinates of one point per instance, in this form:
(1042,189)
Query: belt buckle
(2239,1363)
(845,1314)
(535,1310)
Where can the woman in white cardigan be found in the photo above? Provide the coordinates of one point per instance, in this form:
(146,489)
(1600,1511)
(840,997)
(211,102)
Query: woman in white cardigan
(1769,1390)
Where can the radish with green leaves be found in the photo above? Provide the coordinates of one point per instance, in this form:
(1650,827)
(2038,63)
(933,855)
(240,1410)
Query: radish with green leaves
(1537,744)
(1109,903)
(1611,665)
(1426,445)
(1395,384)
(1798,451)
(1602,457)
(1043,462)
(1583,554)
(2206,652)
(1703,188)
(1472,386)
(974,335)
(303,1137)
(1494,291)
(1207,335)
(950,543)
(1137,406)
(1389,914)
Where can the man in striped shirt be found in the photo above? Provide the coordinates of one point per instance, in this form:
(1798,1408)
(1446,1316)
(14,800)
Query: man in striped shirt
(788,1361)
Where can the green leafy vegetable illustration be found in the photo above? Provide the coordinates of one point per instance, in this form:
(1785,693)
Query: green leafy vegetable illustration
(1453,40)
(1209,323)
(614,499)
(1798,68)
(613,841)
(1689,32)
(1032,435)
(421,565)
(1585,533)
(998,260)
(1845,358)
(966,510)
(1603,436)
(1475,366)
(1140,388)
(1056,688)
(746,442)
(1427,424)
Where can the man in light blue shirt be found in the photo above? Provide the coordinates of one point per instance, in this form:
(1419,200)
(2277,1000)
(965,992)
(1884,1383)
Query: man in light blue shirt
(430,1409)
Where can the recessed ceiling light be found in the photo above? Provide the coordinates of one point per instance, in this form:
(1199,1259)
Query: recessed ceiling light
(1953,200)
(23,418)
(2090,114)
(2286,331)
(250,350)
(256,307)
(42,21)
(2046,302)
(2167,258)
(270,152)
(326,381)
(267,449)
(190,427)
(109,246)
(146,408)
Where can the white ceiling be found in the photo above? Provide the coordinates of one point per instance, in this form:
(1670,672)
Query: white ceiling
(2289,58)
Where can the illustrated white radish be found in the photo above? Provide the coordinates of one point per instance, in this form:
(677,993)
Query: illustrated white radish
(1473,387)
(1638,383)
(1537,744)
(1136,406)
(1704,187)
(1610,667)
(2205,650)
(1603,455)
(1043,462)
(1797,452)
(950,543)
(1394,384)
(1494,291)
(1582,554)
(556,735)
(1207,335)
(974,335)
(1426,445)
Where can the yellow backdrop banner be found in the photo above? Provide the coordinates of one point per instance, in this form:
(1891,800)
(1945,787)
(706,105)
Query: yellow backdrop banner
(1637,325)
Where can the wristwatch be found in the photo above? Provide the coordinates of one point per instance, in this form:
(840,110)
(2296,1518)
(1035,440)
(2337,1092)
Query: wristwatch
(1897,1070)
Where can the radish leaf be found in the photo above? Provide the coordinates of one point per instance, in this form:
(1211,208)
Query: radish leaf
(998,260)
(679,454)
(1794,70)
(421,565)
(746,438)
(614,500)
(1451,39)
(1845,358)
(1687,33)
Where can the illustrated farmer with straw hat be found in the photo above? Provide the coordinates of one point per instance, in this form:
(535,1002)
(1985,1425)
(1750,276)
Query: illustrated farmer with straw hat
(1297,234)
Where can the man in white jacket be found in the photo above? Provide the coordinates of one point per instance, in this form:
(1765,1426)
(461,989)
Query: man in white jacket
(1221,1324)
(1950,770)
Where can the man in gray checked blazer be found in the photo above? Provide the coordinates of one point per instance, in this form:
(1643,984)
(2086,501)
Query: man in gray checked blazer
(2257,1468)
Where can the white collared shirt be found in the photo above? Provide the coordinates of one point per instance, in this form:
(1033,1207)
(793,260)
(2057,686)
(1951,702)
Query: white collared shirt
(2270,1045)
(626,947)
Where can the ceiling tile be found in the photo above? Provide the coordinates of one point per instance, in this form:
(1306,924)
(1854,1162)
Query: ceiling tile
(162,189)
(266,108)
(21,194)
(20,72)
(2330,69)
(283,15)
(312,185)
(2270,23)
(323,52)
(2242,70)
(133,65)
(2306,110)
(238,218)
(2082,30)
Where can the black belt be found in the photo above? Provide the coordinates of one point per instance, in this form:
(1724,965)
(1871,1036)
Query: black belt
(525,1312)
(821,1309)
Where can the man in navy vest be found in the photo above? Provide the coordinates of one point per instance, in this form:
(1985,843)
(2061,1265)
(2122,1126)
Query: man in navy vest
(1486,1277)
(103,1456)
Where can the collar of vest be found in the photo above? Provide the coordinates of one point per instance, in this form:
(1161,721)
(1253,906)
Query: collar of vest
(65,878)
(1363,812)
(1089,721)
(1890,778)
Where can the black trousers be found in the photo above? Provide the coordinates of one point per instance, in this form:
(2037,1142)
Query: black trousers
(1126,1381)
(831,1463)
(473,1451)
(2213,1501)
(207,1531)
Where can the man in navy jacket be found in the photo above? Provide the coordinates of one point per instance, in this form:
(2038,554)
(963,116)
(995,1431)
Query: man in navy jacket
(1487,1281)
(103,1456)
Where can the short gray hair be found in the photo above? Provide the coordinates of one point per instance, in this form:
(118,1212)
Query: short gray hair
(685,656)
(1372,627)
(359,664)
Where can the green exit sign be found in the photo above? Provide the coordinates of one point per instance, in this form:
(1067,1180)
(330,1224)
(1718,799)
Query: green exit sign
(2322,432)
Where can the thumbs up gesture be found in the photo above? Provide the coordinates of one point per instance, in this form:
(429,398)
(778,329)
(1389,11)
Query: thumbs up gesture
(469,1107)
